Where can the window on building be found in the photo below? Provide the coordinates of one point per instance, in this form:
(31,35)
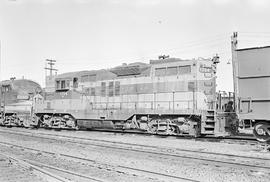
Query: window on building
(93,91)
(58,84)
(68,83)
(88,78)
(63,84)
(84,78)
(6,89)
(117,88)
(92,78)
(160,71)
(75,82)
(111,88)
(184,70)
(103,89)
(172,70)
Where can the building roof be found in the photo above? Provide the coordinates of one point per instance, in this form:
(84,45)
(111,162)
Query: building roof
(76,74)
(22,84)
(21,89)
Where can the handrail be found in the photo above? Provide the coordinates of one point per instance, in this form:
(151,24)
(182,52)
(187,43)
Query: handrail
(247,99)
(153,105)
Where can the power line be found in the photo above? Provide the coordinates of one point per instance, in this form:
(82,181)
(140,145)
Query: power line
(197,43)
(244,32)
(185,49)
(0,59)
(51,63)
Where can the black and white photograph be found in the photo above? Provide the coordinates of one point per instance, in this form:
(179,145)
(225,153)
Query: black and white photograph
(134,90)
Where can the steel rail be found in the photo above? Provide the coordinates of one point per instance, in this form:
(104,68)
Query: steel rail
(177,155)
(200,138)
(63,170)
(128,144)
(41,172)
(94,161)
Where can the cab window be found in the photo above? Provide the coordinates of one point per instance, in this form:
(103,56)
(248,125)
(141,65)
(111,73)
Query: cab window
(184,70)
(103,89)
(172,70)
(111,88)
(93,91)
(117,88)
(160,71)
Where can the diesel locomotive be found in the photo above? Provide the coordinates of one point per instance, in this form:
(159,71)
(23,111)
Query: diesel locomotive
(168,95)
(16,98)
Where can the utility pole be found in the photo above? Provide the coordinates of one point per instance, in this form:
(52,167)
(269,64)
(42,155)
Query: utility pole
(234,44)
(2,92)
(51,63)
(0,80)
(50,80)
(0,58)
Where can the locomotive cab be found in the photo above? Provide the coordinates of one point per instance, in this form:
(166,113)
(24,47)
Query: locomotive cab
(16,101)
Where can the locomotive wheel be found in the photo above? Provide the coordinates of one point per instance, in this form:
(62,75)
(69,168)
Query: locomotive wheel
(262,131)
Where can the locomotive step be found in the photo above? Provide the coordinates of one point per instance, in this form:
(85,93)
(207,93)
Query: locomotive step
(209,126)
(208,132)
(210,121)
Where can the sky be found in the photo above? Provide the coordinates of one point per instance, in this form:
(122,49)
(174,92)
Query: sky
(100,34)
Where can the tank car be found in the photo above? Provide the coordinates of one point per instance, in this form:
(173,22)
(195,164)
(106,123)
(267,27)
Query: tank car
(169,96)
(16,101)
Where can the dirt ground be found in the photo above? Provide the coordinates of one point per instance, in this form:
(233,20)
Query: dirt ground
(106,161)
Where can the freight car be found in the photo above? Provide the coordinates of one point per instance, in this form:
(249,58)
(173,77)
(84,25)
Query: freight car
(16,101)
(252,87)
(168,95)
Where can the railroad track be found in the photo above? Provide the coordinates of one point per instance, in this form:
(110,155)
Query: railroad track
(117,167)
(228,159)
(207,137)
(239,139)
(246,137)
(40,169)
